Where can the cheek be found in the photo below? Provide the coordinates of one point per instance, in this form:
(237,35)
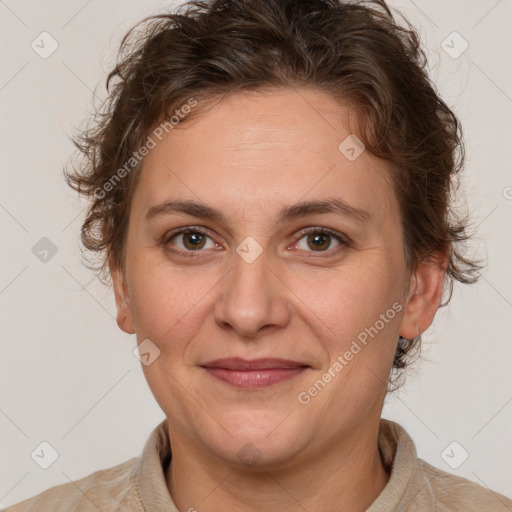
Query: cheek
(169,305)
(355,314)
(343,303)
(356,317)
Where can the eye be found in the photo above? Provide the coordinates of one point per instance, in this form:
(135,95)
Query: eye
(320,240)
(190,239)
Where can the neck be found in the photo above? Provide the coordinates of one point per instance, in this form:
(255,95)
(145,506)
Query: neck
(348,476)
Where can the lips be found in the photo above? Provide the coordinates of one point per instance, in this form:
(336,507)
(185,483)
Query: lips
(256,373)
(237,363)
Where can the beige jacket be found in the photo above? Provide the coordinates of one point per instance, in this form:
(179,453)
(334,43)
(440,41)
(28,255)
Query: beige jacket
(138,485)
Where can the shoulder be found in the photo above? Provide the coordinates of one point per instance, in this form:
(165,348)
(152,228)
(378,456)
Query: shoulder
(108,489)
(416,485)
(453,492)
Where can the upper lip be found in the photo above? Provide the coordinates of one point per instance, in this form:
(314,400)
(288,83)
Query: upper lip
(237,363)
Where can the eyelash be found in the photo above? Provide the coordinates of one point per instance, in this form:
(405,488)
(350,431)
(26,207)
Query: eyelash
(343,239)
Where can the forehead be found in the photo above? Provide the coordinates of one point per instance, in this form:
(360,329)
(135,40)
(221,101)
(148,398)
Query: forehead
(265,149)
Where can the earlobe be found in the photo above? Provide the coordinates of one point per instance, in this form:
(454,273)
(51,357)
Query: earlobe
(124,315)
(424,297)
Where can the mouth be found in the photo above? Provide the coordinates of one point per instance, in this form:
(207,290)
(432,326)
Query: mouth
(253,374)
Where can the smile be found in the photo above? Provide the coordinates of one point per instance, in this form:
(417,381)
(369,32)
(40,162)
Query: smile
(255,374)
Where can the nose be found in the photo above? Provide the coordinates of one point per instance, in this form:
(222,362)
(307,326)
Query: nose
(253,299)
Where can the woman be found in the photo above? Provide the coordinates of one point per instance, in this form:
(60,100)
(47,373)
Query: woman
(270,191)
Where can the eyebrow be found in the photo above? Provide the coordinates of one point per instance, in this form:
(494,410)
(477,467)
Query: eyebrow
(298,210)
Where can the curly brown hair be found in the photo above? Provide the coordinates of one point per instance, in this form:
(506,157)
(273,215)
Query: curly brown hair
(354,51)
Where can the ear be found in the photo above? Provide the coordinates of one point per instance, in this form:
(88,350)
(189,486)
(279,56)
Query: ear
(425,294)
(124,311)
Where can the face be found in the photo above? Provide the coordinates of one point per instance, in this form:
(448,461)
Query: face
(267,270)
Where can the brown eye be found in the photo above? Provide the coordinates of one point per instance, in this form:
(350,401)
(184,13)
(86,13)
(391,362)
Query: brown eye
(191,240)
(194,240)
(319,240)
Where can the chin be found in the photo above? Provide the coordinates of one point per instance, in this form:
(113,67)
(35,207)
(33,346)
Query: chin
(258,439)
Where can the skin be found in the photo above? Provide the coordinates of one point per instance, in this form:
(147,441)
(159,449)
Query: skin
(249,156)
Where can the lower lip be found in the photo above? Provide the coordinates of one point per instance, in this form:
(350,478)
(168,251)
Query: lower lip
(254,378)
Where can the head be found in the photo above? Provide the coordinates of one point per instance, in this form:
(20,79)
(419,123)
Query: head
(274,180)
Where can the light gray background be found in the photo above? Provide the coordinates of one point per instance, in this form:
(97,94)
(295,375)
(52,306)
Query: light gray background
(68,374)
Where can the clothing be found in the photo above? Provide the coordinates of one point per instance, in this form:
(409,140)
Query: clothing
(139,485)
